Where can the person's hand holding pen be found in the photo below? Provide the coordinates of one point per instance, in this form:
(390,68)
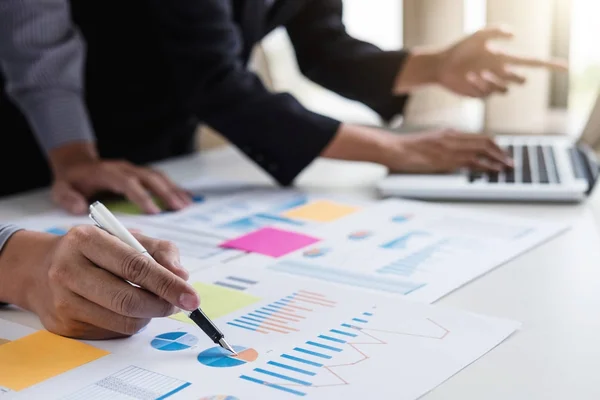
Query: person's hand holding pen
(77,283)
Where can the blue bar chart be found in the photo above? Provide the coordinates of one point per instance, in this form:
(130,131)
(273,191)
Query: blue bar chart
(294,369)
(404,241)
(283,315)
(408,265)
(321,362)
(257,221)
(356,279)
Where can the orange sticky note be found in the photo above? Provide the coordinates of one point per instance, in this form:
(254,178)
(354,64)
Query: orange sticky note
(321,211)
(41,356)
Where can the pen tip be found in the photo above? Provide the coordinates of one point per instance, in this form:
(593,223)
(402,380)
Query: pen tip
(227,346)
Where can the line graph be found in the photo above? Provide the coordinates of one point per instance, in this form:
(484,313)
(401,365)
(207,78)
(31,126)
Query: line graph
(297,370)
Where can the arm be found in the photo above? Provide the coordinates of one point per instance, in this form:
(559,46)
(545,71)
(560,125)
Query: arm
(204,45)
(42,55)
(6,232)
(77,283)
(350,67)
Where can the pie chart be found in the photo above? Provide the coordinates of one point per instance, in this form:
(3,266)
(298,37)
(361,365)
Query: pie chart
(174,341)
(218,357)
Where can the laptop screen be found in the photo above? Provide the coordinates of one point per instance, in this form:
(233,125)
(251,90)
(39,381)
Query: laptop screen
(591,133)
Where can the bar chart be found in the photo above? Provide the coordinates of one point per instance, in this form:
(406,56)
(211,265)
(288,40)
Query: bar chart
(283,315)
(316,363)
(346,277)
(404,241)
(294,369)
(131,383)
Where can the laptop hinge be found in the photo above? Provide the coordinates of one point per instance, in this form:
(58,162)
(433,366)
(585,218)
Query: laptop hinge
(590,165)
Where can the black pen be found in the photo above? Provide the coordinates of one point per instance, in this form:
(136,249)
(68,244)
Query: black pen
(104,219)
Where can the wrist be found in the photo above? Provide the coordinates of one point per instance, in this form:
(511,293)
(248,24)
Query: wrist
(22,254)
(70,155)
(421,68)
(360,143)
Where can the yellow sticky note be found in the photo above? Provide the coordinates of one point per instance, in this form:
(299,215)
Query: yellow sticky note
(218,301)
(321,211)
(41,356)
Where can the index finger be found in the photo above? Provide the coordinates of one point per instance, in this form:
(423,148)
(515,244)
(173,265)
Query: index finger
(122,260)
(558,65)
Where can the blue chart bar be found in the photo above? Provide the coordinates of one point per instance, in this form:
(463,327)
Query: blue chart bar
(343,333)
(323,346)
(332,339)
(284,377)
(312,353)
(282,388)
(301,360)
(408,265)
(289,367)
(241,326)
(281,369)
(347,278)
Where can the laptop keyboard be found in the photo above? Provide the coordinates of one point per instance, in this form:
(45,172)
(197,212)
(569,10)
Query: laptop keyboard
(533,164)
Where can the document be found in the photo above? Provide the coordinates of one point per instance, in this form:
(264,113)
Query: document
(295,338)
(418,250)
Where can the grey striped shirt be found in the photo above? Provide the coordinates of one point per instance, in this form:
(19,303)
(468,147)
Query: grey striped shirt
(6,231)
(42,56)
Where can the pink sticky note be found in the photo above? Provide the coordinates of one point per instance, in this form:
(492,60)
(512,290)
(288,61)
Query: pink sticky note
(270,242)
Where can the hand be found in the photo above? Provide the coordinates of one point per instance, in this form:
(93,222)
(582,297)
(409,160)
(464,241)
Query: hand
(444,151)
(77,284)
(472,67)
(77,178)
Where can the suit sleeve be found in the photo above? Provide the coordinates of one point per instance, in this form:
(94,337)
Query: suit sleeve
(203,46)
(329,56)
(42,56)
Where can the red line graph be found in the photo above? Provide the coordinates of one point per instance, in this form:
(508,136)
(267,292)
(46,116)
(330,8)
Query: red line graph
(376,341)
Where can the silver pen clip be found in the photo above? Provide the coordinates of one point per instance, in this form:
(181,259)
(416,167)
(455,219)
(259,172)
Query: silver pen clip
(98,224)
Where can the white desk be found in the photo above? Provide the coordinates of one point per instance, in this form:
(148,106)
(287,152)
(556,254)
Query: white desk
(554,289)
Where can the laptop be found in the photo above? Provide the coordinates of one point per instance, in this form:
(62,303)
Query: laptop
(547,169)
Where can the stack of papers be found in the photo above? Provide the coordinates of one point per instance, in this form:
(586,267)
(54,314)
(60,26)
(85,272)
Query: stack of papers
(322,297)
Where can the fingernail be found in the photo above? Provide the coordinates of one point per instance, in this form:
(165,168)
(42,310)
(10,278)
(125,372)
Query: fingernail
(188,301)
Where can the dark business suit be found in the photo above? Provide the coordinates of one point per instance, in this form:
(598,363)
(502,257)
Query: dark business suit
(156,68)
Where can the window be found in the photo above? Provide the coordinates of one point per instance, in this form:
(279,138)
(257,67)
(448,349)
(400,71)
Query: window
(375,21)
(585,56)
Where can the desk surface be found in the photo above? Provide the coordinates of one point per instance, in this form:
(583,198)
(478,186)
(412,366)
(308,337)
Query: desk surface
(552,290)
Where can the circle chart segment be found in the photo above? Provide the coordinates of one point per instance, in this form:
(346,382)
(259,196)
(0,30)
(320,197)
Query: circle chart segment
(218,357)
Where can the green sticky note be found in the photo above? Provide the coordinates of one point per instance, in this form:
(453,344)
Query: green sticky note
(218,301)
(127,207)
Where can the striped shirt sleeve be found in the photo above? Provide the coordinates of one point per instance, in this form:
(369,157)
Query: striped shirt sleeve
(42,57)
(6,231)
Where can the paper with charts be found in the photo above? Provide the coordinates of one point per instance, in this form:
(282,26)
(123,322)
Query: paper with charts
(419,250)
(296,338)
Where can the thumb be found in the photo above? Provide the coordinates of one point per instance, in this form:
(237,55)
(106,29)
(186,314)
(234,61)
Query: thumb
(68,198)
(494,32)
